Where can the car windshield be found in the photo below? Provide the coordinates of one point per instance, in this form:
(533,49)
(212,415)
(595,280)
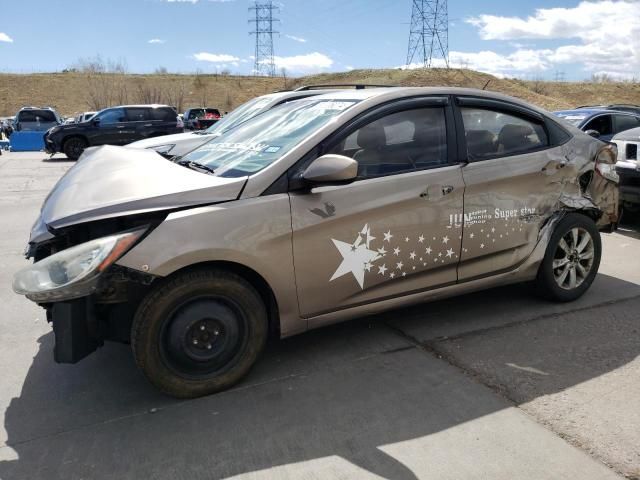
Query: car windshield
(241,114)
(572,117)
(266,138)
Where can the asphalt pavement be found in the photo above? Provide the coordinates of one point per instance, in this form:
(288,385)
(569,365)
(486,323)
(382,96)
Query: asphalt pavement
(493,385)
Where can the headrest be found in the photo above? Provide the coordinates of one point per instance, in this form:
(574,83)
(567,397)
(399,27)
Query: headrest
(372,136)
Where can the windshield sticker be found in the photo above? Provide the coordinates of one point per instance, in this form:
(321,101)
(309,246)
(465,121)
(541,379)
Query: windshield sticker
(236,147)
(572,117)
(272,149)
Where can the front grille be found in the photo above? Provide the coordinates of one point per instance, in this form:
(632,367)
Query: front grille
(632,151)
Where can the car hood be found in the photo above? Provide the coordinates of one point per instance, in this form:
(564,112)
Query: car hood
(113,181)
(168,140)
(632,135)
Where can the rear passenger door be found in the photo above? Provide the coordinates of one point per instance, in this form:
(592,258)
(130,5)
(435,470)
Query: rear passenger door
(511,184)
(138,124)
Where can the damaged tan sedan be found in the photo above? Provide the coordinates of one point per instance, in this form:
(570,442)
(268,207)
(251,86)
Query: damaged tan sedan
(320,210)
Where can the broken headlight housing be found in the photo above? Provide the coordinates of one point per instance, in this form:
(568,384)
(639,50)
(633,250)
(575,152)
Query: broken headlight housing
(74,272)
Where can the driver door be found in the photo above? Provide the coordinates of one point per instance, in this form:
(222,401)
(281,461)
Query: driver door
(393,231)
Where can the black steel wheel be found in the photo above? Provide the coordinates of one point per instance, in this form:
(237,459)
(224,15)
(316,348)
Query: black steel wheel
(199,332)
(572,259)
(73,147)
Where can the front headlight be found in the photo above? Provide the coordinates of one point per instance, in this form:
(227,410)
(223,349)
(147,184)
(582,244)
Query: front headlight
(55,129)
(163,149)
(73,272)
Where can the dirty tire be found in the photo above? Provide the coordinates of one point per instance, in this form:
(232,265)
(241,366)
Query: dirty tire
(73,147)
(572,259)
(199,332)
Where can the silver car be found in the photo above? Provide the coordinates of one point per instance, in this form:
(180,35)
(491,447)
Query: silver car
(317,211)
(179,144)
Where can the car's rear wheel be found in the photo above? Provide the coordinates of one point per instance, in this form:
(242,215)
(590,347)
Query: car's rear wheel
(572,259)
(73,147)
(199,332)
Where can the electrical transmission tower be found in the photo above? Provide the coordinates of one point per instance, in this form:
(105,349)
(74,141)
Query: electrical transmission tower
(262,16)
(429,32)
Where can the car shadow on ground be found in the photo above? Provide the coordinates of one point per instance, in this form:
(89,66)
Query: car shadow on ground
(346,391)
(57,158)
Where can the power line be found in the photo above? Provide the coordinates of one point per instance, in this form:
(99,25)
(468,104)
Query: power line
(262,16)
(429,32)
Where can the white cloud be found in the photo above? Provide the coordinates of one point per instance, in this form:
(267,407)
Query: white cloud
(5,38)
(214,57)
(296,39)
(603,36)
(309,63)
(156,40)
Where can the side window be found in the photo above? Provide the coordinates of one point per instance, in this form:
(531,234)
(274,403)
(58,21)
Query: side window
(490,133)
(138,114)
(163,114)
(399,142)
(114,115)
(601,124)
(625,122)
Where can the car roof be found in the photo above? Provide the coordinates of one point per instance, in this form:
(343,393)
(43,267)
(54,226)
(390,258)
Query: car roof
(148,105)
(391,93)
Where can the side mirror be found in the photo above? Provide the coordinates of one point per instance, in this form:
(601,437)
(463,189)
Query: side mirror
(95,121)
(593,133)
(331,170)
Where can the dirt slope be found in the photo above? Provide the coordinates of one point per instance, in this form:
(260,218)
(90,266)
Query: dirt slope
(75,92)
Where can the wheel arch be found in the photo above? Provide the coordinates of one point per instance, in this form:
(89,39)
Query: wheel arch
(250,275)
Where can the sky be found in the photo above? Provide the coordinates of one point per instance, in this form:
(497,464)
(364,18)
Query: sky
(545,39)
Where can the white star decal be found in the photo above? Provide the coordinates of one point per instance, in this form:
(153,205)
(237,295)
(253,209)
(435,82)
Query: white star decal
(450,253)
(482,245)
(388,236)
(493,230)
(428,250)
(382,269)
(472,235)
(421,239)
(406,239)
(396,251)
(412,255)
(392,275)
(356,257)
(445,240)
(440,254)
(404,274)
(382,251)
(399,265)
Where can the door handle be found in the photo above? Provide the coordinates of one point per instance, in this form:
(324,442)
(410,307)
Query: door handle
(435,192)
(149,125)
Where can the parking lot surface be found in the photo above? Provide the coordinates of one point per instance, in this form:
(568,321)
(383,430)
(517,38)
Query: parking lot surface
(496,384)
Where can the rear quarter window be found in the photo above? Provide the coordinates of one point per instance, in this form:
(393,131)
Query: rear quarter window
(163,114)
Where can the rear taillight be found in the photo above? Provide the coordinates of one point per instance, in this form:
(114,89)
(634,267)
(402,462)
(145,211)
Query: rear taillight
(606,162)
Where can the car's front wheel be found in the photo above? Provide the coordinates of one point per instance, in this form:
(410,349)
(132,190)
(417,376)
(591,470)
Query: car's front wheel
(199,332)
(73,147)
(572,259)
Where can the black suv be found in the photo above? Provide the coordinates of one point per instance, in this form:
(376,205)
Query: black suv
(113,126)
